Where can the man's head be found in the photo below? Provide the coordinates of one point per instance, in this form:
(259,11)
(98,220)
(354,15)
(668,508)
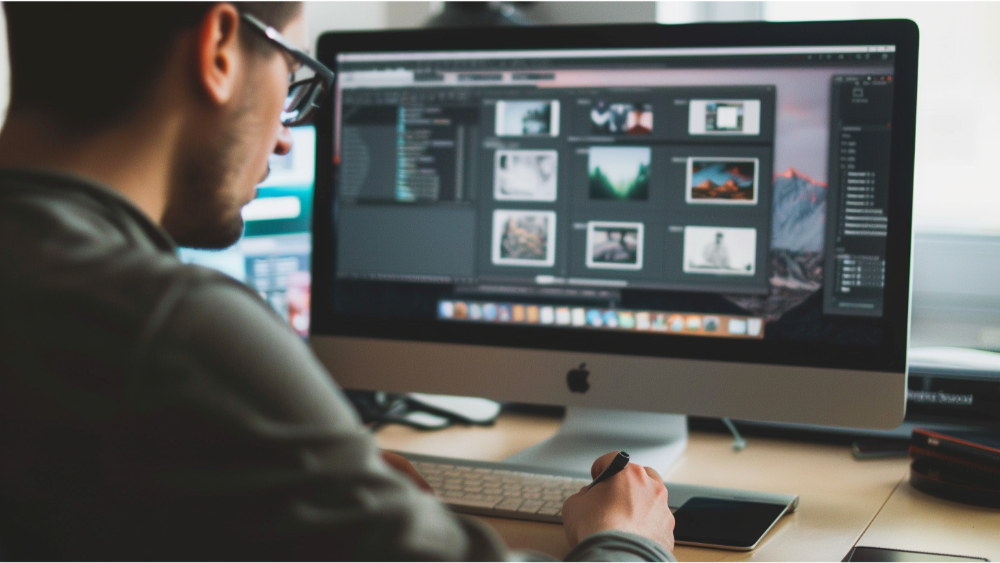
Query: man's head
(90,68)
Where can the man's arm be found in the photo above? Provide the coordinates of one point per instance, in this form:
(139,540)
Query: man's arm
(252,452)
(261,456)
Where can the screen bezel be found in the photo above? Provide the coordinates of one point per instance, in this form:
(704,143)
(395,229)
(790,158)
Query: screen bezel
(889,357)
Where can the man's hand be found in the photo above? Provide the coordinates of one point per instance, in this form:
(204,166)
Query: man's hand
(403,465)
(634,500)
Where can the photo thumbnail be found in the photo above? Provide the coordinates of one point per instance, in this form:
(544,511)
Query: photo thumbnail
(618,119)
(522,175)
(724,251)
(527,118)
(524,238)
(724,117)
(619,173)
(725,181)
(614,245)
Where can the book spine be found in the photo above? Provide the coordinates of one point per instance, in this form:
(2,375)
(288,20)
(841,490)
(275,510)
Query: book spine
(918,453)
(949,446)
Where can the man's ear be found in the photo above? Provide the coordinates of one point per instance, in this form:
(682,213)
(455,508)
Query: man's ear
(219,55)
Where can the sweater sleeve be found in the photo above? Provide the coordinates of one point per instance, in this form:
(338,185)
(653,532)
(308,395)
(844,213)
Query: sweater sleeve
(241,446)
(618,546)
(605,546)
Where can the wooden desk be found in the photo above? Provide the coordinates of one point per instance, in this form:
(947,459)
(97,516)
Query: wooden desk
(840,496)
(915,521)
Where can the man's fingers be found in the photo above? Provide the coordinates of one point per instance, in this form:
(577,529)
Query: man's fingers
(403,465)
(601,464)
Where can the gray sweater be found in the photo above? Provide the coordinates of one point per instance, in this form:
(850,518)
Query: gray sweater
(155,410)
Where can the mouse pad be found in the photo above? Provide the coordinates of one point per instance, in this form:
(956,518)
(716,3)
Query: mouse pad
(879,555)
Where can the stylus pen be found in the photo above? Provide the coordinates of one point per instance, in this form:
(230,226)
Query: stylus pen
(616,465)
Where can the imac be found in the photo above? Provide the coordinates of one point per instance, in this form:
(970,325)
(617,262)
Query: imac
(639,222)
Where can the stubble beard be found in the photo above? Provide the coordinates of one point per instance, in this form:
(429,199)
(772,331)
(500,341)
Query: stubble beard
(204,207)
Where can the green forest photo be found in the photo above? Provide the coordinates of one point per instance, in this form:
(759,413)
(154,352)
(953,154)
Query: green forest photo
(619,173)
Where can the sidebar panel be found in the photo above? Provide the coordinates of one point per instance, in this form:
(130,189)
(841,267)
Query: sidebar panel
(860,129)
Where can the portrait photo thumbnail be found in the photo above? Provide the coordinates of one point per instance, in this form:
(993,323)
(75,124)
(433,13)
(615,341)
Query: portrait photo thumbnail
(614,245)
(525,175)
(724,251)
(621,118)
(524,238)
(722,181)
(619,173)
(724,117)
(527,118)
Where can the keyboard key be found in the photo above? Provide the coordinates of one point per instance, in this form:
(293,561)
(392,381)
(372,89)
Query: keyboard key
(482,502)
(531,506)
(509,504)
(550,509)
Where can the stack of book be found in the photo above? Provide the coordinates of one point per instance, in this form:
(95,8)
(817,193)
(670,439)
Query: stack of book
(958,465)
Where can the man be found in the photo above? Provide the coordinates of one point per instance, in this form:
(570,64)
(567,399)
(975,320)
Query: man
(155,410)
(716,254)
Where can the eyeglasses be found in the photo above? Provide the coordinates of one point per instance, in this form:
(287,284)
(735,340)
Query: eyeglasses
(304,96)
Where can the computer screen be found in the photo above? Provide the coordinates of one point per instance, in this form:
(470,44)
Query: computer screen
(731,194)
(627,191)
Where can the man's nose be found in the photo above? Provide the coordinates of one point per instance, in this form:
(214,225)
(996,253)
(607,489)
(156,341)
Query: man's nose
(284,143)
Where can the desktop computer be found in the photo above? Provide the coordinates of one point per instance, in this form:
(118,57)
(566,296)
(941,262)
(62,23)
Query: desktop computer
(639,222)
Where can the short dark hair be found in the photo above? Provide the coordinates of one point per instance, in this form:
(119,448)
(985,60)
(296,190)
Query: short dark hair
(87,65)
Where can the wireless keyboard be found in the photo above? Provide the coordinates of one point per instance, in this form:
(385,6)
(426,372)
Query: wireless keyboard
(495,491)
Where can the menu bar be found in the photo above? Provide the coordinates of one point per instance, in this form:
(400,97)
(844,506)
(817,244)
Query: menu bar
(611,53)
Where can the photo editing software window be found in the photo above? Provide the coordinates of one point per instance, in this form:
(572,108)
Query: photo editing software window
(718,192)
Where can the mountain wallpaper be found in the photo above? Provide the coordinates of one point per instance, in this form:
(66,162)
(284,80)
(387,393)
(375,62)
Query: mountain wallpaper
(797,239)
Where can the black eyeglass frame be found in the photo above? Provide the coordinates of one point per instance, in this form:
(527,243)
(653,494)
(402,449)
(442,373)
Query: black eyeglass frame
(308,92)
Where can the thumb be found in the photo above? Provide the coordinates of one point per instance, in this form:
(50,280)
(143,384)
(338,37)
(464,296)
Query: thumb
(601,464)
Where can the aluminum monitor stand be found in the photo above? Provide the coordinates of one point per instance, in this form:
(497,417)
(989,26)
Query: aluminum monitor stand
(652,439)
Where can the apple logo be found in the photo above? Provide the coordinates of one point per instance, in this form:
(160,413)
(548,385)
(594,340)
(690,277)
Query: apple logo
(577,379)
